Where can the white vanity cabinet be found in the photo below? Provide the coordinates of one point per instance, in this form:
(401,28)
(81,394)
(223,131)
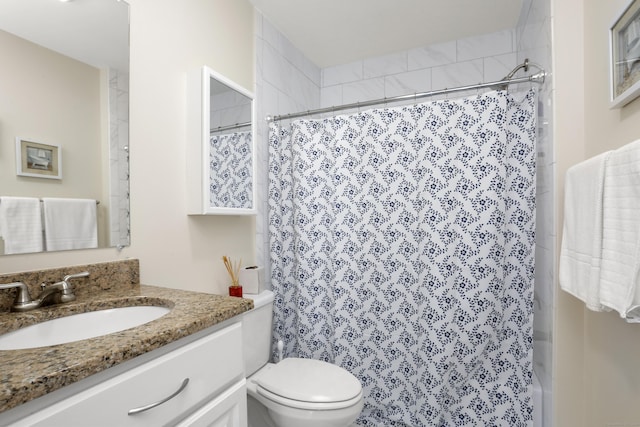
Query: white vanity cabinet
(214,395)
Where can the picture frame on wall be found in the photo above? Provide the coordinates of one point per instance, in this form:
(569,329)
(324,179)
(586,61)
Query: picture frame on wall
(38,160)
(624,42)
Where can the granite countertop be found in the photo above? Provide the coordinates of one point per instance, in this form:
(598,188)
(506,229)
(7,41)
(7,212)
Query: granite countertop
(31,373)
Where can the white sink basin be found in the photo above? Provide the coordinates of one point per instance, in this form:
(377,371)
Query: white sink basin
(80,327)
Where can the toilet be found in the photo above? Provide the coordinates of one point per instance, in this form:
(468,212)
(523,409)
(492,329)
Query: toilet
(294,392)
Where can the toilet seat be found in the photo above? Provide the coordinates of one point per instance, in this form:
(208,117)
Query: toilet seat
(310,406)
(309,384)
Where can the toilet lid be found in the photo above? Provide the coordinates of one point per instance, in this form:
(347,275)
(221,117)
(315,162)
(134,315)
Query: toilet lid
(309,380)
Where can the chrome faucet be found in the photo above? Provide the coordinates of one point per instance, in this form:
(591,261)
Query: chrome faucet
(56,293)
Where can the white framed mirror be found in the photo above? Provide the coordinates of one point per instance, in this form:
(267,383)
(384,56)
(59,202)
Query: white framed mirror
(221,146)
(65,83)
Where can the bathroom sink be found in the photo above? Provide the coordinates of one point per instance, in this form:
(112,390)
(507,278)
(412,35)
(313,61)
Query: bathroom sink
(80,327)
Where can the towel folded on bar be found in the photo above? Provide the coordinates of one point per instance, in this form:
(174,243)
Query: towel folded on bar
(620,269)
(580,253)
(21,225)
(600,253)
(70,223)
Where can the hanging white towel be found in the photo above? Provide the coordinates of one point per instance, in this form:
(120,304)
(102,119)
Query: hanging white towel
(621,232)
(580,253)
(70,224)
(21,225)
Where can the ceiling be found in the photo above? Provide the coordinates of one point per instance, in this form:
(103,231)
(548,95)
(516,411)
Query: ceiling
(328,32)
(92,31)
(332,32)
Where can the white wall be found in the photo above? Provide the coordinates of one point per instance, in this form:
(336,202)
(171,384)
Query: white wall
(569,134)
(168,38)
(597,380)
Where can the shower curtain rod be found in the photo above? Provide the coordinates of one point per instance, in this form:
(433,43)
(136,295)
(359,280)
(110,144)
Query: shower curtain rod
(229,127)
(500,84)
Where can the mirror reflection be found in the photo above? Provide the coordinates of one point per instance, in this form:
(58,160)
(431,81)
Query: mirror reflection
(65,90)
(231,148)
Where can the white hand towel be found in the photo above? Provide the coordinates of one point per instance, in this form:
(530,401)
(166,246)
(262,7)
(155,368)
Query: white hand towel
(70,224)
(621,232)
(580,253)
(21,224)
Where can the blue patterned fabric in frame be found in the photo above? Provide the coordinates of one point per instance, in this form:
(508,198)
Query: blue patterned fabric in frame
(231,170)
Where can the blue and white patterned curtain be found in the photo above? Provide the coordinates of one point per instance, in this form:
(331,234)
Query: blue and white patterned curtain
(231,170)
(402,249)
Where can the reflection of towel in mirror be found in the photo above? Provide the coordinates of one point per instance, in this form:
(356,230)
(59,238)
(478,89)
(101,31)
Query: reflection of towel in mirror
(70,224)
(21,224)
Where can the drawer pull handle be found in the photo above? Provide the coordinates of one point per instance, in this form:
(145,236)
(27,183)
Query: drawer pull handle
(160,402)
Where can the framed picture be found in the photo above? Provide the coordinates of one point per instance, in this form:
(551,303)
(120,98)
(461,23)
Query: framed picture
(38,160)
(624,41)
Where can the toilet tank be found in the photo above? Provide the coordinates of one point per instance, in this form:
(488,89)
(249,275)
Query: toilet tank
(256,332)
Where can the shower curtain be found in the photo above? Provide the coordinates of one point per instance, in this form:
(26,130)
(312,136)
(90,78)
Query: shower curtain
(230,169)
(402,249)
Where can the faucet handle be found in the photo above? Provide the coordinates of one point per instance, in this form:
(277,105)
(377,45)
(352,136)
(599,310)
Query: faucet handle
(75,276)
(22,297)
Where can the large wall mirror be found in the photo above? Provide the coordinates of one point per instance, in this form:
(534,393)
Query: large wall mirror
(65,84)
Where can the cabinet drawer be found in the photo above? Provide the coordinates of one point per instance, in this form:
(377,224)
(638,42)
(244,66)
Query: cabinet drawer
(227,410)
(211,364)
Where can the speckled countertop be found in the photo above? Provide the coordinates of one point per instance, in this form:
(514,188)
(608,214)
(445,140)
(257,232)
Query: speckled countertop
(31,373)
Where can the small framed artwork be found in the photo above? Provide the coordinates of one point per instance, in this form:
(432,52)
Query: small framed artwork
(38,160)
(624,41)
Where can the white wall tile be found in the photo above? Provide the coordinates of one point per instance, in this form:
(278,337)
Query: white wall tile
(272,67)
(385,65)
(535,35)
(486,45)
(123,82)
(257,25)
(432,56)
(364,90)
(407,83)
(534,42)
(311,70)
(524,13)
(269,103)
(498,67)
(331,96)
(458,74)
(340,74)
(540,11)
(271,36)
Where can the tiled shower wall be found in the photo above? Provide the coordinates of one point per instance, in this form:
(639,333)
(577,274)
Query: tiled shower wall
(534,42)
(119,158)
(286,82)
(456,63)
